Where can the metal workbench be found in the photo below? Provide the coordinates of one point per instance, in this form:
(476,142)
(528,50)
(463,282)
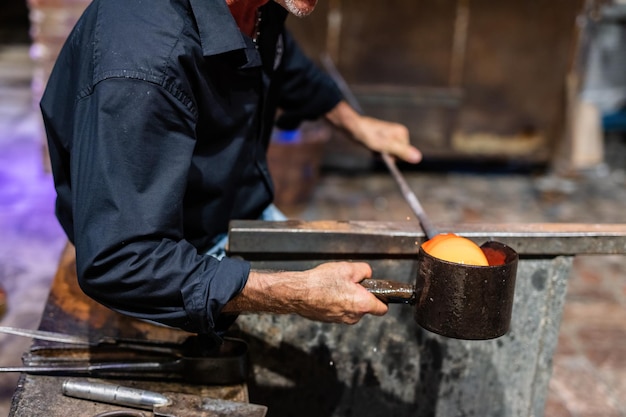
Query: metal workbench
(381,366)
(69,311)
(389,366)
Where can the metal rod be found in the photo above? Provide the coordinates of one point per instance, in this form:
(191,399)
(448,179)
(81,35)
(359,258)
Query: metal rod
(89,369)
(44,335)
(114,394)
(334,73)
(407,193)
(410,197)
(154,346)
(391,291)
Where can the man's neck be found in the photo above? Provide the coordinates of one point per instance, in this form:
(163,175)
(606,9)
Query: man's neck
(244,12)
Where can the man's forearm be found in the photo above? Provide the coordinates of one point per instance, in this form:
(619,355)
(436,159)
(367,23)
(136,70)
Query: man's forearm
(271,292)
(344,117)
(377,135)
(330,293)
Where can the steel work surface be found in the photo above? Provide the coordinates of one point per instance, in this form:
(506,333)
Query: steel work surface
(69,311)
(402,238)
(390,365)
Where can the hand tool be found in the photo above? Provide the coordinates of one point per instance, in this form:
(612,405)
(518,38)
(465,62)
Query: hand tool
(198,359)
(408,194)
(168,404)
(452,299)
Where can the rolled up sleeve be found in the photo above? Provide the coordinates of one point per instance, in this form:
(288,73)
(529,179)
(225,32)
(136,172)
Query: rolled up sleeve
(130,164)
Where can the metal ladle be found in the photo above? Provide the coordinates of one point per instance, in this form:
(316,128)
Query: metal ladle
(452,299)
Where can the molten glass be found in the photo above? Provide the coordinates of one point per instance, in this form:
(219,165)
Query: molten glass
(454,248)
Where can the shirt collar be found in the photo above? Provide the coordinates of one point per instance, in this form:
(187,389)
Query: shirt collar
(218,31)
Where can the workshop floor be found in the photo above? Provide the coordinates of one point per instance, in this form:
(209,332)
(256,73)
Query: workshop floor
(589,377)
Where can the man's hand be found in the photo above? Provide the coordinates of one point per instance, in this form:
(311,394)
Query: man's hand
(377,135)
(329,292)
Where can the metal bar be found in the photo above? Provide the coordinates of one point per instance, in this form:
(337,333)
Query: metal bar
(166,404)
(126,368)
(410,197)
(44,335)
(153,346)
(407,193)
(391,291)
(285,240)
(114,394)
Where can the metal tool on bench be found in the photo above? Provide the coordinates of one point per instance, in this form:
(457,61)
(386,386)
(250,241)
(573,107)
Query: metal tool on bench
(455,300)
(168,404)
(198,359)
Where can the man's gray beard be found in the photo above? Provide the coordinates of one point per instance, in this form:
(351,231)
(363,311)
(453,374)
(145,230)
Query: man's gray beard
(294,10)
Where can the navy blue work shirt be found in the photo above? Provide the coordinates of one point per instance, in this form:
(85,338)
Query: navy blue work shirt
(158,115)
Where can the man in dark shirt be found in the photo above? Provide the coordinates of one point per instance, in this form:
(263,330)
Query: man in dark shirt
(158,115)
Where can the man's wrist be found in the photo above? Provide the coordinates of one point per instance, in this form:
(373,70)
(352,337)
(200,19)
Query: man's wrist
(272,292)
(344,117)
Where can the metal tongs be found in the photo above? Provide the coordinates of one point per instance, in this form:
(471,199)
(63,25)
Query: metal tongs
(198,359)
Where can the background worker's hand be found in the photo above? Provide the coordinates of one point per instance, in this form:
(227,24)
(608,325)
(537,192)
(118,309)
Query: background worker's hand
(329,292)
(377,135)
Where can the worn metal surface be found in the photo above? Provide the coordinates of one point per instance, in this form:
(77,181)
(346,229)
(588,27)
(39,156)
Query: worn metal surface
(391,292)
(223,364)
(184,405)
(388,239)
(69,311)
(390,365)
(168,404)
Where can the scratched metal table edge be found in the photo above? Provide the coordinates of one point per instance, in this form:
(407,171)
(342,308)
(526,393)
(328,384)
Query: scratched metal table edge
(338,237)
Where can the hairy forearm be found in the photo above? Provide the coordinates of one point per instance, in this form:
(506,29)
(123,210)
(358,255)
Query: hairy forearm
(345,118)
(377,135)
(271,292)
(330,293)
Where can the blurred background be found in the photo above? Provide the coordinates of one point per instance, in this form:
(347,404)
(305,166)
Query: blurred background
(518,107)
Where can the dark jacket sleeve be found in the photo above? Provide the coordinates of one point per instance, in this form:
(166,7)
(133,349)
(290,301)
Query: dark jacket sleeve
(307,92)
(130,164)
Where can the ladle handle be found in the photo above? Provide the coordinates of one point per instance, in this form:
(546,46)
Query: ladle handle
(408,194)
(390,291)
